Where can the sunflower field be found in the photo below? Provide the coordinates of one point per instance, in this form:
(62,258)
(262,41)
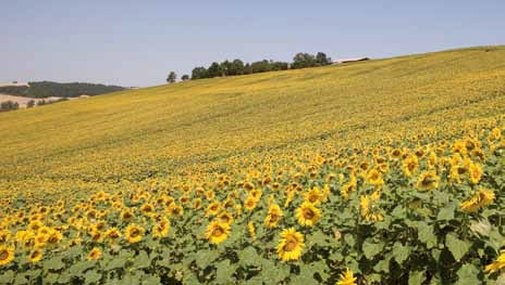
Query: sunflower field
(383,172)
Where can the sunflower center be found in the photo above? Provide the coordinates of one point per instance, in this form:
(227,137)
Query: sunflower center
(427,181)
(309,214)
(273,218)
(217,232)
(135,233)
(35,254)
(4,254)
(290,245)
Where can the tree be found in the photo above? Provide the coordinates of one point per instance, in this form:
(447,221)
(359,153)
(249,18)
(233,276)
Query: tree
(261,66)
(322,59)
(199,73)
(8,105)
(214,70)
(30,104)
(236,67)
(171,77)
(279,65)
(185,77)
(303,60)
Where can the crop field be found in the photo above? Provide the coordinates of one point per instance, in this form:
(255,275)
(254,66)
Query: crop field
(389,171)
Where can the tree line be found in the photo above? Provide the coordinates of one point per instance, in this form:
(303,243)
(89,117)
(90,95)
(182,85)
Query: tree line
(238,67)
(44,89)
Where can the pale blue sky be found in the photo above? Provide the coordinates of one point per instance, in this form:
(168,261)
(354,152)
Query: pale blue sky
(136,43)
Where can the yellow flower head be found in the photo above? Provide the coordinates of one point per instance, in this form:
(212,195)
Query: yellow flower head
(307,214)
(428,181)
(313,196)
(134,233)
(347,278)
(374,177)
(161,228)
(95,254)
(112,235)
(481,199)
(225,217)
(35,255)
(290,245)
(250,203)
(217,232)
(252,230)
(6,254)
(213,209)
(496,265)
(475,172)
(410,165)
(273,216)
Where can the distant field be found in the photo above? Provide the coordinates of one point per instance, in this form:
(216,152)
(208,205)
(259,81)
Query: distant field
(389,171)
(22,101)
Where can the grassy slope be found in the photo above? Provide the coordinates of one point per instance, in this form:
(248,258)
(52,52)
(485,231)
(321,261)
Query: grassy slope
(162,129)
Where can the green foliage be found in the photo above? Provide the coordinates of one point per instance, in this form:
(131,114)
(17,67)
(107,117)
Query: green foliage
(44,89)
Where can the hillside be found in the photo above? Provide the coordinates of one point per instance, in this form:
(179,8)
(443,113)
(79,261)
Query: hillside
(388,171)
(198,125)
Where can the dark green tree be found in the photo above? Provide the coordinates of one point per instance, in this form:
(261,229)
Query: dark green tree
(214,70)
(322,59)
(199,73)
(303,60)
(185,77)
(172,77)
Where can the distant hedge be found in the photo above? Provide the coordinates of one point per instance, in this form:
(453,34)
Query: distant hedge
(46,89)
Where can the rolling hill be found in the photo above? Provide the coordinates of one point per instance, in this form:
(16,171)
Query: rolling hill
(387,171)
(198,125)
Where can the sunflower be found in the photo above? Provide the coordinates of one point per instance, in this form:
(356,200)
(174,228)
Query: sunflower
(147,208)
(217,232)
(349,187)
(475,172)
(35,225)
(313,196)
(250,203)
(197,203)
(6,254)
(374,177)
(290,245)
(496,265)
(307,214)
(428,181)
(252,230)
(273,216)
(134,233)
(4,236)
(54,237)
(112,235)
(256,194)
(481,199)
(368,209)
(225,217)
(95,254)
(161,228)
(35,255)
(347,278)
(410,164)
(175,210)
(213,209)
(126,214)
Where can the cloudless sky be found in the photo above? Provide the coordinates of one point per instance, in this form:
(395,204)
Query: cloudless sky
(136,43)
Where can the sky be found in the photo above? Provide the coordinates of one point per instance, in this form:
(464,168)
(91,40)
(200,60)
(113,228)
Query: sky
(136,43)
